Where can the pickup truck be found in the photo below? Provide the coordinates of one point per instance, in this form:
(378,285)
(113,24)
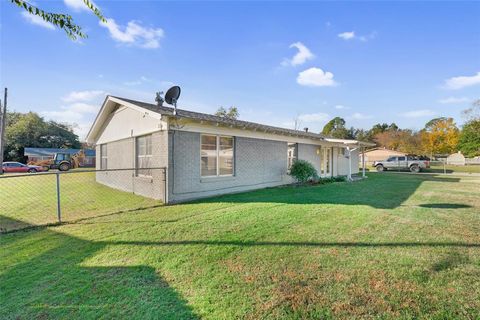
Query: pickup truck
(414,164)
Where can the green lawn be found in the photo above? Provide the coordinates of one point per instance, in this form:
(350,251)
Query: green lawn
(32,199)
(391,246)
(452,169)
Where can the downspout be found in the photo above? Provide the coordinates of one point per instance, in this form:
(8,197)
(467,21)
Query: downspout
(349,178)
(363,162)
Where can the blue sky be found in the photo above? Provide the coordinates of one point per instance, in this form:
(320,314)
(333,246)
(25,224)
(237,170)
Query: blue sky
(369,62)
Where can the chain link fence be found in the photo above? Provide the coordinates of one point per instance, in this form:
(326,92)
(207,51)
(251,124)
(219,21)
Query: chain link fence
(41,199)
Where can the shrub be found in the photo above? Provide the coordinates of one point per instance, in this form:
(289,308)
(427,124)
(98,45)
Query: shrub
(303,171)
(339,179)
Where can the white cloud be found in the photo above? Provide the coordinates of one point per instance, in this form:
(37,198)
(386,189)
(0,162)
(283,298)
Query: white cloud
(453,100)
(79,115)
(360,116)
(316,77)
(300,57)
(153,82)
(87,95)
(418,113)
(64,116)
(314,117)
(341,107)
(347,35)
(36,20)
(78,5)
(352,36)
(80,124)
(134,34)
(461,82)
(81,107)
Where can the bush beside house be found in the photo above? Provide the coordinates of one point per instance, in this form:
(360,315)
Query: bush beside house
(303,171)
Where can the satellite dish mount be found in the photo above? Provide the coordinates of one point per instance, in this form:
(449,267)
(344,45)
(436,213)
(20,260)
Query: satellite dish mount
(172,96)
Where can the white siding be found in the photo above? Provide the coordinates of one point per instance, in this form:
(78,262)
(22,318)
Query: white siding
(126,122)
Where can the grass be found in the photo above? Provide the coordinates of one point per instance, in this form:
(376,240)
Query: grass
(32,199)
(452,169)
(391,246)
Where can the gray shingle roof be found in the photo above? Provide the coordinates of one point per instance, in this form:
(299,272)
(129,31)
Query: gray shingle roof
(229,122)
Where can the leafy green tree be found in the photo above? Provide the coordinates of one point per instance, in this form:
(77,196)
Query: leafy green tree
(232,113)
(360,134)
(31,130)
(62,21)
(335,128)
(378,128)
(469,142)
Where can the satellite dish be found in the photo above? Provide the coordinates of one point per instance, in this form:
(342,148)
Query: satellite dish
(172,96)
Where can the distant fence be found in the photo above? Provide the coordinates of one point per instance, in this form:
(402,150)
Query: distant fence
(472,161)
(39,199)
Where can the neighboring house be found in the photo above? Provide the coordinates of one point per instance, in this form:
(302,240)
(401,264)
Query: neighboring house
(457,159)
(379,154)
(204,155)
(41,154)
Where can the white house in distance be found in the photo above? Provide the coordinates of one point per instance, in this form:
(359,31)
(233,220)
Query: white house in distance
(379,154)
(457,159)
(190,155)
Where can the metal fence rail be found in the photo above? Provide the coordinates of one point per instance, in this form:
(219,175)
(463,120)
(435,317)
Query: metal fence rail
(41,199)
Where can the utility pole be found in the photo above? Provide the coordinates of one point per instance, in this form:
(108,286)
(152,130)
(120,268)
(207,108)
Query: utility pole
(3,125)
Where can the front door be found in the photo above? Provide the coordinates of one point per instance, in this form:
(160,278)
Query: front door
(326,162)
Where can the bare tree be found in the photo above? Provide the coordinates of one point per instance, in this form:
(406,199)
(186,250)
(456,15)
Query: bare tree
(297,123)
(473,112)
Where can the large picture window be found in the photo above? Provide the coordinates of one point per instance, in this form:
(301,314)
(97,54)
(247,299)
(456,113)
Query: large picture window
(216,155)
(292,154)
(103,157)
(144,156)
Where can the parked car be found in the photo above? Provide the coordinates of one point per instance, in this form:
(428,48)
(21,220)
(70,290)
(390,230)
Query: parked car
(10,167)
(413,163)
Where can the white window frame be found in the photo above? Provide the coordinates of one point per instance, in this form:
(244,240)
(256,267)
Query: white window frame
(144,156)
(103,155)
(295,155)
(217,143)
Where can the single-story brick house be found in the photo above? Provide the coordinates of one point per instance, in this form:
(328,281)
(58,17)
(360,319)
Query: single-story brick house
(204,155)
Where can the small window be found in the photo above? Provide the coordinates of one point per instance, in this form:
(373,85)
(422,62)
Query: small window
(103,157)
(144,156)
(401,158)
(391,159)
(216,155)
(292,154)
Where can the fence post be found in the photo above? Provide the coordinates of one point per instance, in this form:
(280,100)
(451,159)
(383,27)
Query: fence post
(59,208)
(444,167)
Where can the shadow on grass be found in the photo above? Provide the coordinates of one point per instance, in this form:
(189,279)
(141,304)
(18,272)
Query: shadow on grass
(293,243)
(450,261)
(383,191)
(55,284)
(445,205)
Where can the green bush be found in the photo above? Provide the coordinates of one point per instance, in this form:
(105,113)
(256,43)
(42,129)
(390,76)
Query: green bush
(303,171)
(332,179)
